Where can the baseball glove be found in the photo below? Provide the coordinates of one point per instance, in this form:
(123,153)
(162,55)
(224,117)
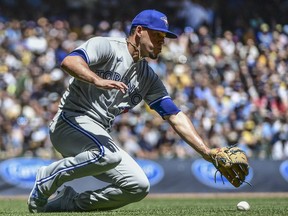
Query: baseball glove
(232,163)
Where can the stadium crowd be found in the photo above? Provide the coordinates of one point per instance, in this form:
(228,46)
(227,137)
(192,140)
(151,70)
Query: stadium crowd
(233,85)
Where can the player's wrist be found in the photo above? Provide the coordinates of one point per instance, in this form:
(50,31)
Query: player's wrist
(207,154)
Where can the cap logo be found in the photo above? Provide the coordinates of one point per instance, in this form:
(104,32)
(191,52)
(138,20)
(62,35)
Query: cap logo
(165,21)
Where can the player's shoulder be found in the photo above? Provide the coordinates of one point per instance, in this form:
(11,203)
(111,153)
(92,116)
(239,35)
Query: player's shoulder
(110,44)
(146,69)
(107,40)
(117,43)
(116,40)
(145,65)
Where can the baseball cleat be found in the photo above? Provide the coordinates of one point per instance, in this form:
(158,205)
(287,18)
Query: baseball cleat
(36,200)
(63,201)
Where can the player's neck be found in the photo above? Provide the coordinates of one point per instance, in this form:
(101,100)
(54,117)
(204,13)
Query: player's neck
(133,49)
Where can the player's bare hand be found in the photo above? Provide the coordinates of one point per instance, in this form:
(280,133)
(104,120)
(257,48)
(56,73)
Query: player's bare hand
(111,84)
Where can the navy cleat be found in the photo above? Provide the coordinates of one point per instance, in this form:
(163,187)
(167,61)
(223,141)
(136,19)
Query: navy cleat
(63,201)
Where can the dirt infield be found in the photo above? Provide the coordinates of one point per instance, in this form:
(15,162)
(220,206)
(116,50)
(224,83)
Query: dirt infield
(220,195)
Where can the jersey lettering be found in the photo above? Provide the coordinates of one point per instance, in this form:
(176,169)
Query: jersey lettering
(136,98)
(110,75)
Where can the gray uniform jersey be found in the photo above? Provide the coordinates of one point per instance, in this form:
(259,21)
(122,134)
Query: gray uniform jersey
(109,58)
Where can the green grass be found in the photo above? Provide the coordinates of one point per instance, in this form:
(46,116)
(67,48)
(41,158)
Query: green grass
(268,206)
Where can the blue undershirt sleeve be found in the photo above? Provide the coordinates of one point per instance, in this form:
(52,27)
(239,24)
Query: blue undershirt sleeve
(81,53)
(164,106)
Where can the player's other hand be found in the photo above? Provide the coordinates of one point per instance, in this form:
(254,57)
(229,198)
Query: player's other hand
(111,84)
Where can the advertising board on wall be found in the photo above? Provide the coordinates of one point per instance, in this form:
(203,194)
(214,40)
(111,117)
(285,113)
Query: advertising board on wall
(17,176)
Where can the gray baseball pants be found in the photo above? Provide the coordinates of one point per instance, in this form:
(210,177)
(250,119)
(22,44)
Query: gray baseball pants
(89,150)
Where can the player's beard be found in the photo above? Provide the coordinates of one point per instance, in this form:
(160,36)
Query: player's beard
(147,51)
(154,53)
(153,56)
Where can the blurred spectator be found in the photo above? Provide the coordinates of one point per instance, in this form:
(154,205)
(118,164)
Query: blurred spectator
(193,14)
(264,36)
(117,30)
(233,81)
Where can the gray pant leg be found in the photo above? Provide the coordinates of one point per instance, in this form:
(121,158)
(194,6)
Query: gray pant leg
(88,150)
(128,184)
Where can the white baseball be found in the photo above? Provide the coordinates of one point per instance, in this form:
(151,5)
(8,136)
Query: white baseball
(243,206)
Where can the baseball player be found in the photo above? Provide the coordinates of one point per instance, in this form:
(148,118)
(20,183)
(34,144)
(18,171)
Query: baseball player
(109,76)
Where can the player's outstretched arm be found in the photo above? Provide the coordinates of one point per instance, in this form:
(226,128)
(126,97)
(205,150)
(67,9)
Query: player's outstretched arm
(231,161)
(78,68)
(185,129)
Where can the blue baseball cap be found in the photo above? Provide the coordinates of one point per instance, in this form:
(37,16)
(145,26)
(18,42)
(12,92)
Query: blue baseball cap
(154,20)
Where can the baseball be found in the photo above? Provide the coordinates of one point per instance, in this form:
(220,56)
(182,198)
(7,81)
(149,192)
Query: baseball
(243,206)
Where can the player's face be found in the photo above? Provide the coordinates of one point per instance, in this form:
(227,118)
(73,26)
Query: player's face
(151,43)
